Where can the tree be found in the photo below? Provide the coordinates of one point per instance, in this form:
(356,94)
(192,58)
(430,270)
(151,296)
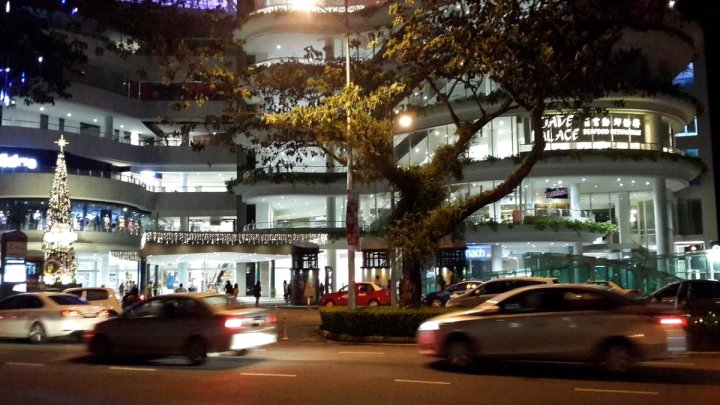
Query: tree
(60,260)
(541,54)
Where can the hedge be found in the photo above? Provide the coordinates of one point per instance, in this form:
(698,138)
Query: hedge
(376,321)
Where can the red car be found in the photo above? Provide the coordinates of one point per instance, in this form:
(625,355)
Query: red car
(368,293)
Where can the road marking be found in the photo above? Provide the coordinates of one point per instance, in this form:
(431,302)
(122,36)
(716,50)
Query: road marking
(422,382)
(617,391)
(133,368)
(666,363)
(268,375)
(13,363)
(361,352)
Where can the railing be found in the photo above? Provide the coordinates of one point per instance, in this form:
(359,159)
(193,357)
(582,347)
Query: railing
(135,230)
(292,224)
(598,145)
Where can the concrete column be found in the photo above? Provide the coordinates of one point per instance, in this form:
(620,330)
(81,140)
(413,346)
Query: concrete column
(661,216)
(652,131)
(262,215)
(332,262)
(109,128)
(496,257)
(623,215)
(184,182)
(577,249)
(241,215)
(183,275)
(330,213)
(575,209)
(184,224)
(497,215)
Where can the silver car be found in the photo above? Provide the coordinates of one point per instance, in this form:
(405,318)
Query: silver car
(491,288)
(562,322)
(187,324)
(42,315)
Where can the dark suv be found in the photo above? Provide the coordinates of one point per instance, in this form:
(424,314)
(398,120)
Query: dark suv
(689,295)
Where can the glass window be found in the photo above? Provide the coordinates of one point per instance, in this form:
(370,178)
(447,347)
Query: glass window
(689,218)
(95,295)
(148,309)
(67,300)
(586,301)
(669,291)
(535,301)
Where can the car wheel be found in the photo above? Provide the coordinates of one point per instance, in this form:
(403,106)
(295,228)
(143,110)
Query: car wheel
(437,303)
(101,348)
(37,333)
(196,352)
(617,358)
(373,303)
(329,304)
(460,354)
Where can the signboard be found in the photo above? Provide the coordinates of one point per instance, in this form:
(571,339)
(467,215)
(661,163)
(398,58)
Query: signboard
(477,251)
(13,161)
(558,192)
(574,128)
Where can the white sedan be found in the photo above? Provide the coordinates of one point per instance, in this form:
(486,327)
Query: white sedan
(561,322)
(43,315)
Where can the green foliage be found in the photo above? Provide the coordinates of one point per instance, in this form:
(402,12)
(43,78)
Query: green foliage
(377,321)
(549,223)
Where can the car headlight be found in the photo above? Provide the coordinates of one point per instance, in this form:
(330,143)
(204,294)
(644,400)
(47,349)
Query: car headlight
(429,325)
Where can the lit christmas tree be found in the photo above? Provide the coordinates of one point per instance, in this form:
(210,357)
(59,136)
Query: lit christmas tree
(60,260)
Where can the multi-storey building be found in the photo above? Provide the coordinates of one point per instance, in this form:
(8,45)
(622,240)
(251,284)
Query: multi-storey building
(144,198)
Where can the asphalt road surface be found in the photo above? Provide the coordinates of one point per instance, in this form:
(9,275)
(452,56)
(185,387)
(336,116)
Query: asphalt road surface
(306,369)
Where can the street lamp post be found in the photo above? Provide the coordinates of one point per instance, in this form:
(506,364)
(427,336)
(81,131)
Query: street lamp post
(352,204)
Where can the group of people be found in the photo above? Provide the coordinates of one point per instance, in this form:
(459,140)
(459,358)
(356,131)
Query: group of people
(133,294)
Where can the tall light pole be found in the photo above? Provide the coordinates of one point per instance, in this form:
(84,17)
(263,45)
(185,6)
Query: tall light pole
(352,204)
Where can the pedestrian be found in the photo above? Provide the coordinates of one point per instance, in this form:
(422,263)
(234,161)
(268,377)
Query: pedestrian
(286,292)
(256,292)
(236,291)
(180,289)
(228,288)
(378,281)
(131,298)
(440,283)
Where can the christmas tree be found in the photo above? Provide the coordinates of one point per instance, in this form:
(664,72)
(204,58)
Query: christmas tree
(60,260)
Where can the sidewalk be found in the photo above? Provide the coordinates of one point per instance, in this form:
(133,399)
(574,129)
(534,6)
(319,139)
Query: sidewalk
(299,323)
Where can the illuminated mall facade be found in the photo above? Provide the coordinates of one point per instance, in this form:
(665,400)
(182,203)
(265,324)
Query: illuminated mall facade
(142,198)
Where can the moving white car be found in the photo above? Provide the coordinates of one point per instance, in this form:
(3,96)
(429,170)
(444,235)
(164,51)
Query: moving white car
(561,322)
(186,324)
(43,315)
(103,296)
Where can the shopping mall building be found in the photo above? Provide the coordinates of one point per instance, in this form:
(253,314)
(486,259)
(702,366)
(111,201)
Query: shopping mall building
(146,206)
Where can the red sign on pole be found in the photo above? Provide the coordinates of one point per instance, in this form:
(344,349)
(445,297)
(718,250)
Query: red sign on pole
(351,220)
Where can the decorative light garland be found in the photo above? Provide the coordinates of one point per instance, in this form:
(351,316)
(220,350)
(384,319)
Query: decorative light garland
(229,239)
(125,255)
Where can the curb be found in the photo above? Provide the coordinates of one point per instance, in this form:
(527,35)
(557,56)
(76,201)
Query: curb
(365,339)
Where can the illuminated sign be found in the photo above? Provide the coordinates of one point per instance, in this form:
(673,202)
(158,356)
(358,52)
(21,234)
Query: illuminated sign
(15,160)
(571,128)
(477,251)
(560,192)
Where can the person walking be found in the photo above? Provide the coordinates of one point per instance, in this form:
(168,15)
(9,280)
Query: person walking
(286,292)
(180,289)
(228,288)
(236,291)
(256,292)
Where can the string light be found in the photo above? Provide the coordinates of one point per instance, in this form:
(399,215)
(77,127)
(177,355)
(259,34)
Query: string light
(230,239)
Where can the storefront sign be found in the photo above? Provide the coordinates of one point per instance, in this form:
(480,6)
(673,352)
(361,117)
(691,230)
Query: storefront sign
(477,251)
(560,192)
(13,161)
(572,128)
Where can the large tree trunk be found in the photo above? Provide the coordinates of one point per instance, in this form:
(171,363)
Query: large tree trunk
(411,283)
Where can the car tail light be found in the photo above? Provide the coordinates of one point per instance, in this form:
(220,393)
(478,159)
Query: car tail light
(672,320)
(88,335)
(69,312)
(234,323)
(271,318)
(104,313)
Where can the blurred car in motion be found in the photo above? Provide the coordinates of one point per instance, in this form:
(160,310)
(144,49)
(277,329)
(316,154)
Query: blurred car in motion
(611,285)
(491,288)
(692,296)
(188,324)
(440,298)
(367,293)
(103,296)
(562,322)
(43,315)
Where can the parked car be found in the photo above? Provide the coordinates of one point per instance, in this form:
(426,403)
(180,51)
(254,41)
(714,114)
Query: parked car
(42,315)
(491,288)
(98,296)
(367,293)
(440,298)
(611,285)
(693,296)
(562,322)
(188,324)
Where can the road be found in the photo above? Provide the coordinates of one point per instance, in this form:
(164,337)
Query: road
(307,369)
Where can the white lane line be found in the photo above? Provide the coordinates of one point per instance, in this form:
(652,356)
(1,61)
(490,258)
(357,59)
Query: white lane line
(268,375)
(133,369)
(13,363)
(361,352)
(616,391)
(422,382)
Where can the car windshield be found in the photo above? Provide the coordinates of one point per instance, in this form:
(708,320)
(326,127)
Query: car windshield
(67,300)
